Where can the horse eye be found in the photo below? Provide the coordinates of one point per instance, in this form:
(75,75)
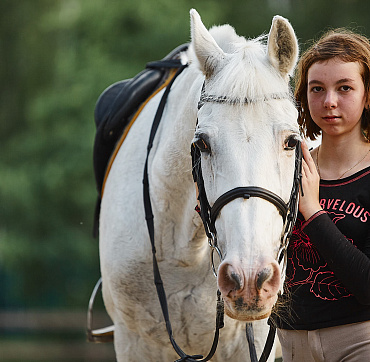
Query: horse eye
(202,145)
(290,143)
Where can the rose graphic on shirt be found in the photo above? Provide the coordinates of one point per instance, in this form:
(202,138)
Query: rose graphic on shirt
(306,267)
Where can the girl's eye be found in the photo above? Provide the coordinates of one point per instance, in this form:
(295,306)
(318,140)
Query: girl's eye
(290,143)
(345,88)
(202,145)
(316,89)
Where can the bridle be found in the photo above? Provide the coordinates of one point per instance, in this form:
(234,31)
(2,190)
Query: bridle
(209,215)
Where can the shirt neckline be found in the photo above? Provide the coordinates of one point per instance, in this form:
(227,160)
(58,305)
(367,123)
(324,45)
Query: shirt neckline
(345,180)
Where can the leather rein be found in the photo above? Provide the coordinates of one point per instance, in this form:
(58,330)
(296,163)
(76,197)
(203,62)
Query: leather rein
(209,215)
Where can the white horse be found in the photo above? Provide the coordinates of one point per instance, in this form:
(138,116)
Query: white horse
(246,133)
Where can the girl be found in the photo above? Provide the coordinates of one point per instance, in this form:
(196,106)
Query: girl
(326,311)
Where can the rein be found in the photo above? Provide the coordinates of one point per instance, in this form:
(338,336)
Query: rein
(209,214)
(156,273)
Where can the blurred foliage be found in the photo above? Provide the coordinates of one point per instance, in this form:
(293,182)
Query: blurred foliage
(56,57)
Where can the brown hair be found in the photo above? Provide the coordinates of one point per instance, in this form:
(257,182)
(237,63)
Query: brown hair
(348,47)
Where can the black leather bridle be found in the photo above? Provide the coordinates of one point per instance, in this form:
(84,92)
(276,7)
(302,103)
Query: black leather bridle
(209,215)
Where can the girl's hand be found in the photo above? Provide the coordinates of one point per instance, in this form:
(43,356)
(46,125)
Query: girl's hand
(309,204)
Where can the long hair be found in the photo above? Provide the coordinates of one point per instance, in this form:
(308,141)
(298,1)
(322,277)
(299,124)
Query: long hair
(344,45)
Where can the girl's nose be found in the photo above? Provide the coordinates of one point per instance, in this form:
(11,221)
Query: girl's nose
(330,100)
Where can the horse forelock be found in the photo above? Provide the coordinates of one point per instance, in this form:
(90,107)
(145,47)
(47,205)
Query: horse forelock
(247,74)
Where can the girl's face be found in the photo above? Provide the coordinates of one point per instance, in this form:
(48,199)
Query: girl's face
(336,96)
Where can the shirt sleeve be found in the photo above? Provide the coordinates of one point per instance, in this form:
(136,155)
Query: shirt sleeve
(349,264)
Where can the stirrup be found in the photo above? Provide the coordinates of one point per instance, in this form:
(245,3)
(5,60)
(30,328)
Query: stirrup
(101,335)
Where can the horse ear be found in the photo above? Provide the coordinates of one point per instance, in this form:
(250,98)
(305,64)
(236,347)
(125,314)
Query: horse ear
(208,52)
(282,46)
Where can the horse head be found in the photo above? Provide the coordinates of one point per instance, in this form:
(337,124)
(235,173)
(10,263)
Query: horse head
(246,136)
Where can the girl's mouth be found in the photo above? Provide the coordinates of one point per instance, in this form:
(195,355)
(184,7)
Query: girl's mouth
(330,118)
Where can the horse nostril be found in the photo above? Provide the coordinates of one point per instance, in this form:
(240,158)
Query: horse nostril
(262,276)
(237,281)
(229,280)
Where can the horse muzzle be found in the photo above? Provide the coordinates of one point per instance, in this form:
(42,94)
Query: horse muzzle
(249,295)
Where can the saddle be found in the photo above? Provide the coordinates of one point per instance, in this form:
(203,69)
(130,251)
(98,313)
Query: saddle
(115,108)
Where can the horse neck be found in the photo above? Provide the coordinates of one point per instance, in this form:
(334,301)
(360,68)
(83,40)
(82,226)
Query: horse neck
(172,184)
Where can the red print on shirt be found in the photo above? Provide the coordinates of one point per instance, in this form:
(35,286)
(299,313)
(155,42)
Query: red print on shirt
(306,267)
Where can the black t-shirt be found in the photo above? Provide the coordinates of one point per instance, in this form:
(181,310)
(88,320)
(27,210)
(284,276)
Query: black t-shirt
(328,267)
